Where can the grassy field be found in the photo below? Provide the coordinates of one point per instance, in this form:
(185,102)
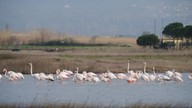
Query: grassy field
(96,59)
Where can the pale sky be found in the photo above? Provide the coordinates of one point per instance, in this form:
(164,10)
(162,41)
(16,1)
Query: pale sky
(94,17)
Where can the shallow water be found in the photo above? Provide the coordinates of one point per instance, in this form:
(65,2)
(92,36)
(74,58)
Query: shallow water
(118,92)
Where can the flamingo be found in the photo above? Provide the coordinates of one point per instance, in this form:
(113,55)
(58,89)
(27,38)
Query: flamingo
(145,75)
(78,77)
(190,77)
(177,73)
(41,76)
(95,79)
(128,67)
(131,79)
(121,76)
(152,77)
(145,78)
(20,75)
(178,78)
(138,74)
(110,75)
(166,78)
(61,75)
(89,75)
(36,75)
(144,68)
(104,78)
(12,75)
(68,72)
(49,77)
(169,73)
(1,77)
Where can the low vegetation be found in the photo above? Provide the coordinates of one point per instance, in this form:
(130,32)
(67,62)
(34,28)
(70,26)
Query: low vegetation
(97,59)
(49,51)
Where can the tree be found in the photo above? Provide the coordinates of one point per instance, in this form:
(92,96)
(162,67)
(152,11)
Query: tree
(147,40)
(187,33)
(174,30)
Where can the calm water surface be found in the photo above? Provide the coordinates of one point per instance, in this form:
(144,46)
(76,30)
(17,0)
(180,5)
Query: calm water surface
(118,92)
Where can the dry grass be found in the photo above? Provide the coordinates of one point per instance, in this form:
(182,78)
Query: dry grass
(44,35)
(104,40)
(97,59)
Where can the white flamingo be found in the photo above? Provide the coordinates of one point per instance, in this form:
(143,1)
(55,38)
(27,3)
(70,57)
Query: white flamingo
(20,75)
(166,78)
(128,68)
(152,77)
(177,73)
(41,76)
(177,78)
(169,73)
(78,77)
(138,74)
(121,76)
(89,75)
(11,75)
(95,79)
(49,77)
(145,75)
(68,72)
(111,75)
(104,78)
(61,75)
(144,68)
(1,77)
(36,75)
(190,77)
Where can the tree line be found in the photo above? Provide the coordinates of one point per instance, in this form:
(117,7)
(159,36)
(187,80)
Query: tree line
(174,30)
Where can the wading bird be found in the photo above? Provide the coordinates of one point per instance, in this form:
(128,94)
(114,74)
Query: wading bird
(41,76)
(78,77)
(190,77)
(11,75)
(111,75)
(61,75)
(145,75)
(121,76)
(1,77)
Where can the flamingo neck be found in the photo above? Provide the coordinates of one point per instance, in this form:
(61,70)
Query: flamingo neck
(144,70)
(128,67)
(5,72)
(31,69)
(154,72)
(77,70)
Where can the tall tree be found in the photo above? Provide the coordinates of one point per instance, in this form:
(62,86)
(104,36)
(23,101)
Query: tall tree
(147,40)
(187,33)
(173,30)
